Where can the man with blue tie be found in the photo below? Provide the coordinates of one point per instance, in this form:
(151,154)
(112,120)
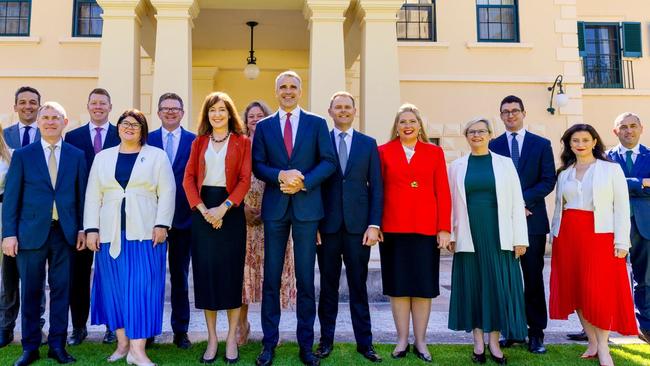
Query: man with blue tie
(293,155)
(91,138)
(533,158)
(41,226)
(177,142)
(353,202)
(634,159)
(24,132)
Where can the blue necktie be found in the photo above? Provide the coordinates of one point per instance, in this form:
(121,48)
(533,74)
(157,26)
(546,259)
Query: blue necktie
(25,136)
(169,147)
(343,151)
(514,153)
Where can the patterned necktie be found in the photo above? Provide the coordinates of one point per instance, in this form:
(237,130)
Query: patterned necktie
(343,151)
(97,141)
(25,141)
(52,169)
(628,161)
(169,147)
(514,153)
(288,135)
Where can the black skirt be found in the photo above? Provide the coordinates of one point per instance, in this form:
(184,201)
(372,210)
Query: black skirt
(410,265)
(218,255)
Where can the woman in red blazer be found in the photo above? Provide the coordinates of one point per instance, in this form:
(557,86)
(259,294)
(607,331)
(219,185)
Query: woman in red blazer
(217,177)
(416,224)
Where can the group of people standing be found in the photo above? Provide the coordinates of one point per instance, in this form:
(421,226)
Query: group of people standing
(255,201)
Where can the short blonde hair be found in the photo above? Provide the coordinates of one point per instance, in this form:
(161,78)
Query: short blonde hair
(478,120)
(52,105)
(422,135)
(624,115)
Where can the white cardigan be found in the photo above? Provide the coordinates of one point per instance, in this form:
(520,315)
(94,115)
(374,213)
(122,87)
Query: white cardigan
(513,229)
(611,202)
(150,196)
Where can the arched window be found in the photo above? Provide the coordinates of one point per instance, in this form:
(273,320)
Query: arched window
(417,21)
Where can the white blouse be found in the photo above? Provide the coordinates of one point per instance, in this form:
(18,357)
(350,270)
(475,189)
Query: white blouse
(579,195)
(215,166)
(409,151)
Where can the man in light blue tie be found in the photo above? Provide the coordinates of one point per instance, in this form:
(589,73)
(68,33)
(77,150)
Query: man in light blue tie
(176,141)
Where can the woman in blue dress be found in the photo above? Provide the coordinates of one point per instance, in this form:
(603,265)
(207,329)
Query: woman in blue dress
(129,208)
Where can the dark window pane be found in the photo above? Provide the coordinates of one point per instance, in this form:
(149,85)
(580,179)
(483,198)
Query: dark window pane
(84,11)
(494,15)
(84,26)
(401,16)
(3,10)
(96,11)
(424,15)
(12,26)
(3,23)
(495,30)
(483,15)
(24,10)
(507,15)
(483,31)
(424,30)
(413,15)
(481,2)
(412,30)
(401,30)
(24,24)
(96,26)
(508,31)
(13,9)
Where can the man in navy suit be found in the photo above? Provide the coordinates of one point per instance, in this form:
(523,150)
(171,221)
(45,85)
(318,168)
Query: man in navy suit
(634,158)
(91,138)
(177,142)
(41,226)
(293,155)
(22,133)
(533,157)
(353,202)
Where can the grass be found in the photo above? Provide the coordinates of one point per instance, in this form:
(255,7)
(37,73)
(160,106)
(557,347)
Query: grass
(345,354)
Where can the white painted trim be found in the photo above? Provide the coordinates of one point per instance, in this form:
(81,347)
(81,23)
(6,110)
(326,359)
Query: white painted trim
(614,92)
(509,45)
(20,41)
(422,44)
(515,79)
(15,73)
(86,41)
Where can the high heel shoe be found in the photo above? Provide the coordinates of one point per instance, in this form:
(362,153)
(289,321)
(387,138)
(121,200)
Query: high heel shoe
(400,354)
(116,357)
(231,361)
(479,357)
(499,360)
(589,357)
(422,356)
(208,360)
(131,361)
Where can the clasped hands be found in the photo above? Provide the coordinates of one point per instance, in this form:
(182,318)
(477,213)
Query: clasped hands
(213,215)
(158,236)
(291,181)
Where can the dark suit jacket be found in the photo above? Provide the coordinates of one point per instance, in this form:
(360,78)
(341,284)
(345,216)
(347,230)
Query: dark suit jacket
(182,213)
(537,176)
(29,195)
(354,198)
(312,155)
(80,138)
(12,136)
(639,197)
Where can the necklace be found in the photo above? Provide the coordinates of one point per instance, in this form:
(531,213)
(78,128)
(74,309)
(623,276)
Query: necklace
(221,140)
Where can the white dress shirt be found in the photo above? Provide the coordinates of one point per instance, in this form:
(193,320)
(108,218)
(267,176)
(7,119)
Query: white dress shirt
(57,152)
(348,139)
(294,120)
(410,152)
(622,150)
(579,195)
(520,139)
(176,140)
(215,166)
(32,131)
(93,132)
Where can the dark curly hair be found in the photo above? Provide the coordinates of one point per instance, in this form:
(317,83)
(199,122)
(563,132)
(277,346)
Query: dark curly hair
(568,157)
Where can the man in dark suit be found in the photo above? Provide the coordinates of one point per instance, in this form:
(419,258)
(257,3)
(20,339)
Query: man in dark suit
(353,203)
(177,142)
(293,155)
(532,155)
(634,158)
(91,138)
(41,224)
(22,133)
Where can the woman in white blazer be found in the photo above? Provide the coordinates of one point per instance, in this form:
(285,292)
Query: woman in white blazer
(128,209)
(489,234)
(591,237)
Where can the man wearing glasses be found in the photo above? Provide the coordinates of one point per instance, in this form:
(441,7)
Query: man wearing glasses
(532,155)
(96,135)
(176,142)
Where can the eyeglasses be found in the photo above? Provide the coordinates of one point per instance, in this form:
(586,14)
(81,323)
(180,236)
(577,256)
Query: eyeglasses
(170,109)
(477,132)
(513,112)
(132,126)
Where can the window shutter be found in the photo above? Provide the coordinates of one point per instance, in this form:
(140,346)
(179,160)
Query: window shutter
(581,39)
(632,45)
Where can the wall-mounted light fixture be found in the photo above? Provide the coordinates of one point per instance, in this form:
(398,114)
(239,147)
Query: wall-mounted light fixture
(251,71)
(561,99)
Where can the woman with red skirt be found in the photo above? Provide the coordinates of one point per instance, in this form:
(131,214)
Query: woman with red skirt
(591,230)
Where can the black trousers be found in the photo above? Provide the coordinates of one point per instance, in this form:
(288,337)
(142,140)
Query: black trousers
(337,248)
(179,244)
(82,262)
(532,266)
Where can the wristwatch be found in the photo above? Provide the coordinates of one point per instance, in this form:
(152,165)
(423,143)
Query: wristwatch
(228,204)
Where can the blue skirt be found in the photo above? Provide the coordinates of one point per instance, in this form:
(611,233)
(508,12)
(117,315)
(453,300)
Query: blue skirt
(129,291)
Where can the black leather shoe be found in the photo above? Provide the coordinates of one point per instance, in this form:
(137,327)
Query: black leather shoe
(109,337)
(27,358)
(323,350)
(307,357)
(536,345)
(578,337)
(60,355)
(479,358)
(182,341)
(369,353)
(265,358)
(506,343)
(644,335)
(400,354)
(422,356)
(78,335)
(6,338)
(498,360)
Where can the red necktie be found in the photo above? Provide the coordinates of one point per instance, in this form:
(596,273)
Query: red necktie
(288,135)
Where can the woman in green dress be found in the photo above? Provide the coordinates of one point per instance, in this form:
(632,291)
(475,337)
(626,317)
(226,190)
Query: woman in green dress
(489,235)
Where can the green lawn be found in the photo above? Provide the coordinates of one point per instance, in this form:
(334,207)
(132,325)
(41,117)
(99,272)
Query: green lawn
(345,354)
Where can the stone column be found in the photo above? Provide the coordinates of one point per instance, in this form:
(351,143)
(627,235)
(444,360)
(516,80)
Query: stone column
(380,84)
(173,60)
(202,85)
(119,60)
(326,51)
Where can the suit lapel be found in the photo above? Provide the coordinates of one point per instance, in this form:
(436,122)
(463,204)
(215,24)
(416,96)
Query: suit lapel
(302,128)
(41,165)
(641,159)
(276,132)
(338,162)
(501,145)
(112,138)
(353,152)
(64,165)
(525,150)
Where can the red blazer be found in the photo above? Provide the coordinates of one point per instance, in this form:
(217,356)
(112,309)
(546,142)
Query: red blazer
(416,195)
(238,169)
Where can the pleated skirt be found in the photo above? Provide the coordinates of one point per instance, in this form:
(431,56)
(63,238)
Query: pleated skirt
(586,276)
(129,291)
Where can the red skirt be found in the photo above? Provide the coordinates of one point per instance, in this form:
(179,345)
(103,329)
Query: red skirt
(587,276)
